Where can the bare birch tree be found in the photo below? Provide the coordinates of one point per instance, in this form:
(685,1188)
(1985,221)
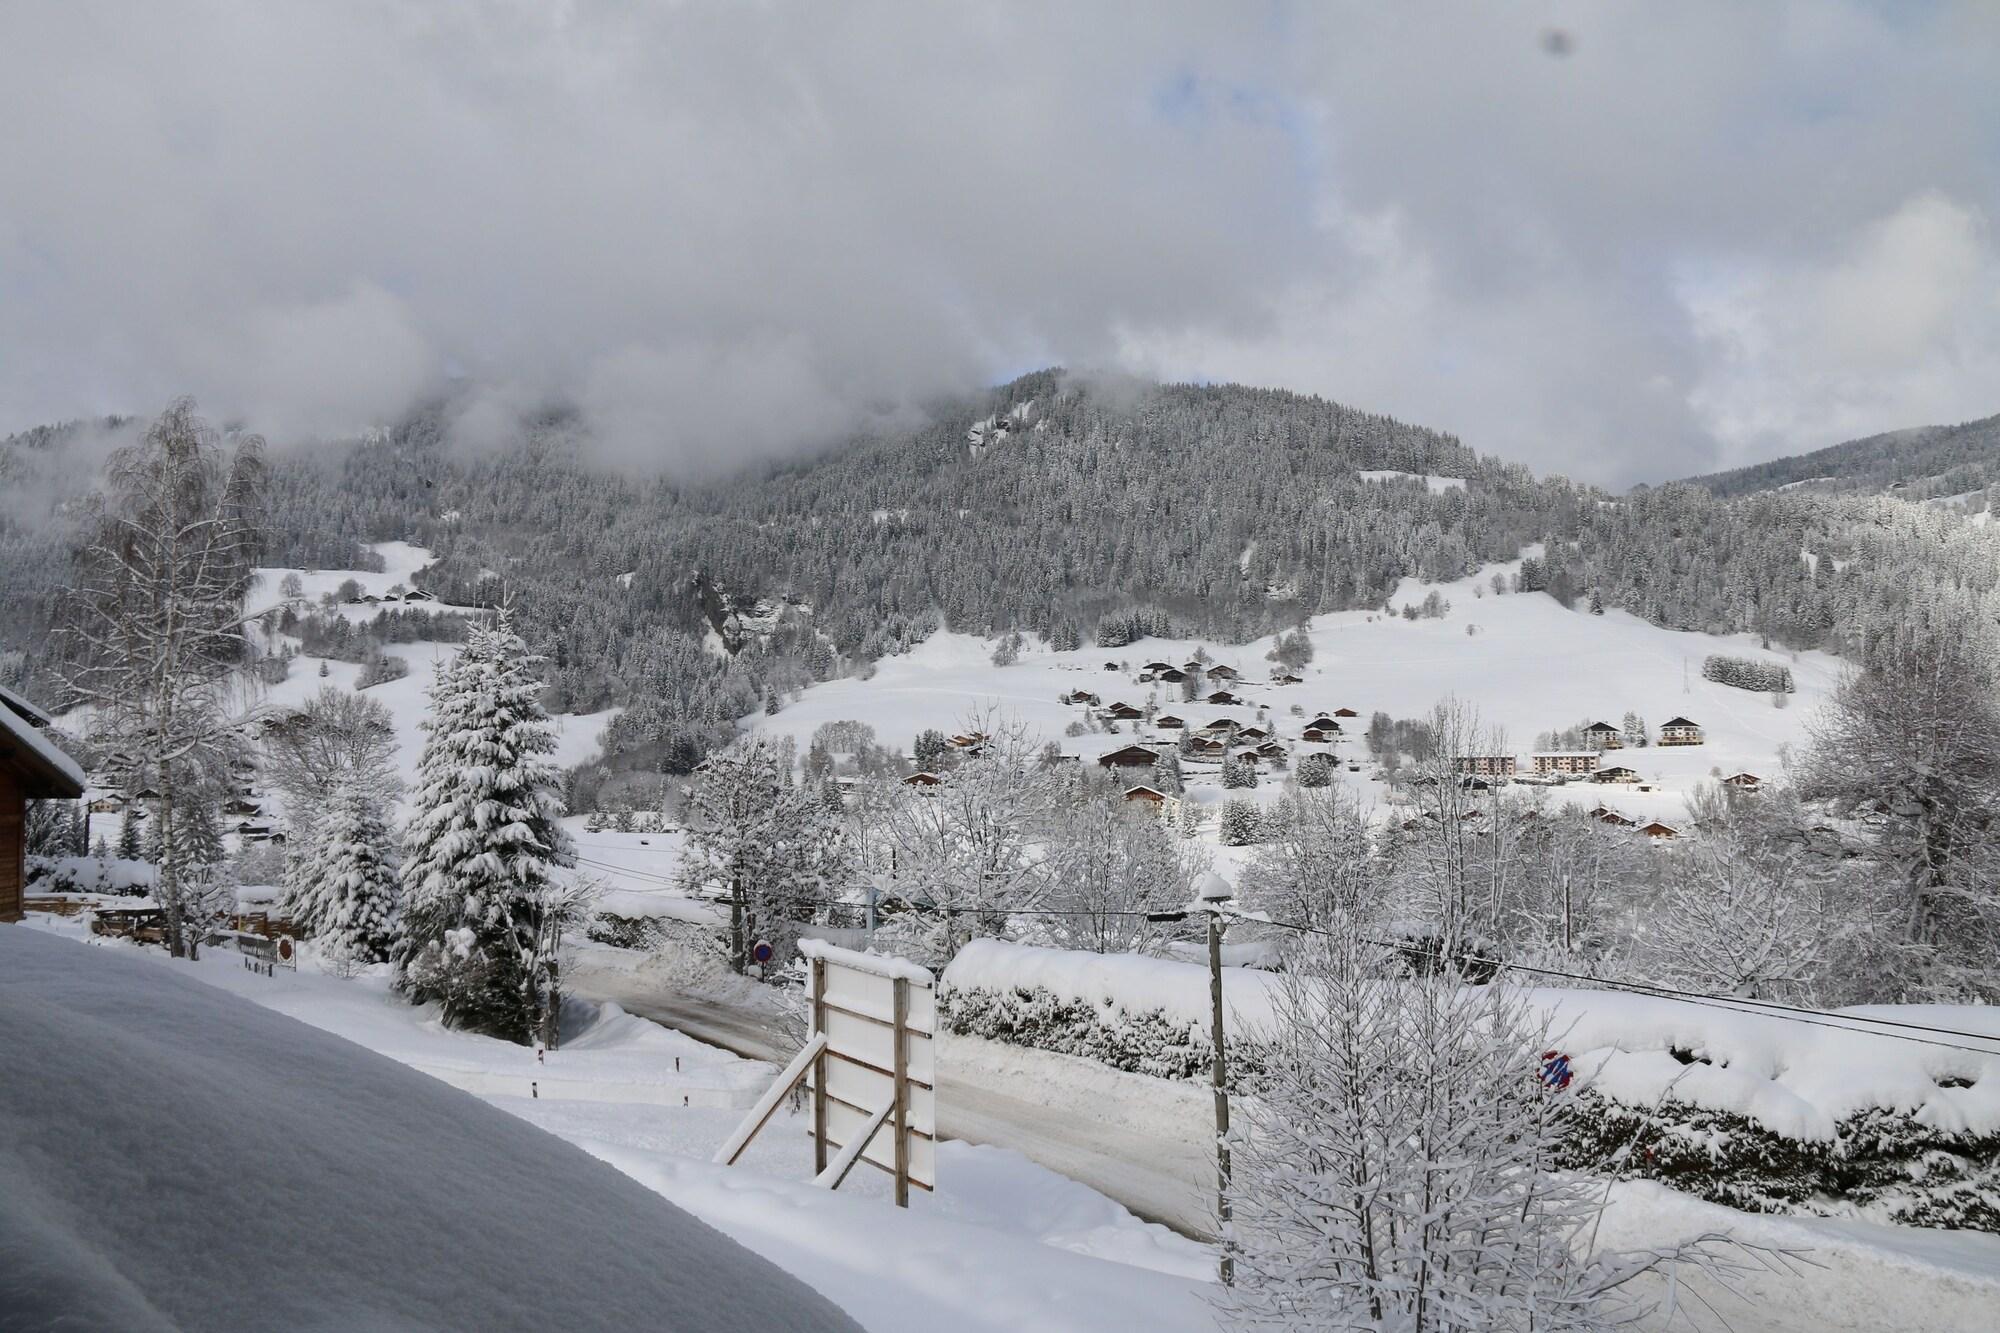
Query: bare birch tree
(1398,1167)
(156,620)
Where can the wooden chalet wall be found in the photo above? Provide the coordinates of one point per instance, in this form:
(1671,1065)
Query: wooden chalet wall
(13,838)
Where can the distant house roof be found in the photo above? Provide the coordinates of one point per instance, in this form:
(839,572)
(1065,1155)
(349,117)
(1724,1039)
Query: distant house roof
(1565,754)
(1223,672)
(1680,722)
(1143,793)
(1158,666)
(1167,720)
(1345,712)
(923,780)
(1173,675)
(1617,771)
(1744,780)
(1125,710)
(1127,756)
(1658,830)
(46,772)
(1601,726)
(1222,697)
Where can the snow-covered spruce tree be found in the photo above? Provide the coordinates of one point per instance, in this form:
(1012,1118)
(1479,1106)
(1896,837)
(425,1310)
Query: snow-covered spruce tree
(132,832)
(1396,1168)
(1241,823)
(1316,770)
(352,874)
(483,845)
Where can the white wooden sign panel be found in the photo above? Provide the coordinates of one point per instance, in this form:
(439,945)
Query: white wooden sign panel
(878,1016)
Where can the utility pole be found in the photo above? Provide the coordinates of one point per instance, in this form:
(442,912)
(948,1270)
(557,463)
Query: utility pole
(1214,898)
(1220,1072)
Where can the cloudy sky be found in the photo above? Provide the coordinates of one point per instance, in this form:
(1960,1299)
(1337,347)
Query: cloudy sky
(1621,240)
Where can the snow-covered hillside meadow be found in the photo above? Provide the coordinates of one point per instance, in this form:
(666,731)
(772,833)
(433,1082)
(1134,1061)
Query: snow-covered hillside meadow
(577,734)
(406,698)
(1524,662)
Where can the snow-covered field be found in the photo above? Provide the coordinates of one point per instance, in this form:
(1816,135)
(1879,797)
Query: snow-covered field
(1526,664)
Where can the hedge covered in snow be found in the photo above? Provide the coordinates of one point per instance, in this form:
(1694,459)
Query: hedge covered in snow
(51,875)
(1745,1109)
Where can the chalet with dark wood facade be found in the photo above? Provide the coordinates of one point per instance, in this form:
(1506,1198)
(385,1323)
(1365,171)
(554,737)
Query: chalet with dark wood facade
(32,768)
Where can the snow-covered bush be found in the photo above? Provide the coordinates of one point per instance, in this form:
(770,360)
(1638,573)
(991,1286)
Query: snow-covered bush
(1400,1166)
(1887,1164)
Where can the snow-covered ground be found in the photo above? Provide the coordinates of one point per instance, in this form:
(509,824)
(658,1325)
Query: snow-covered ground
(1435,484)
(1006,1244)
(173,1157)
(1003,1245)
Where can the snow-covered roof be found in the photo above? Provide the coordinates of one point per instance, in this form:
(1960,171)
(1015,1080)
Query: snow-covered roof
(351,1191)
(1566,754)
(60,775)
(35,716)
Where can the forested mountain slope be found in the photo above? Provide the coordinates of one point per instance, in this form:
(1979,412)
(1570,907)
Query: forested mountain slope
(1918,464)
(1049,506)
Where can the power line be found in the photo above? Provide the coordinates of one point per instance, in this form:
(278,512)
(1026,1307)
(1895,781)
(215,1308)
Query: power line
(1862,1024)
(1855,1023)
